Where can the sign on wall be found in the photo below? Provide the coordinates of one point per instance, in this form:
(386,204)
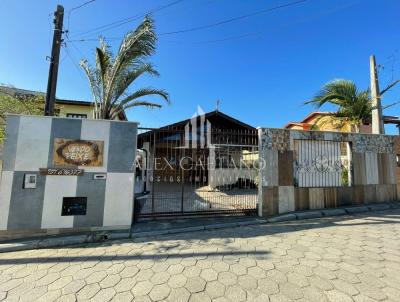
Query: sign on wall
(61,171)
(69,152)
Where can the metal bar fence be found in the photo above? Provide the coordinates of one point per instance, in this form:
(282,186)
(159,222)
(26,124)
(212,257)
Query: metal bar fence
(217,176)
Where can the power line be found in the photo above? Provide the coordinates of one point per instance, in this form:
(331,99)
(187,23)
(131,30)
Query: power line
(77,7)
(233,19)
(120,22)
(73,61)
(76,47)
(263,11)
(83,4)
(285,25)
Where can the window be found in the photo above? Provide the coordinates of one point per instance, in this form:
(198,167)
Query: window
(76,115)
(398,160)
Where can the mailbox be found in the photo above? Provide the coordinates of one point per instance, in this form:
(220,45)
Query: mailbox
(74,206)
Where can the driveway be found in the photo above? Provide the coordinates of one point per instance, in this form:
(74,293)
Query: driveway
(337,259)
(168,198)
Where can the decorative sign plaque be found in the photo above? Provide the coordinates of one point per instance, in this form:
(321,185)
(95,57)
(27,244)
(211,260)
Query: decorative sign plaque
(69,152)
(61,172)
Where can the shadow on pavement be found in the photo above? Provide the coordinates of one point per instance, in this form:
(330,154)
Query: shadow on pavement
(219,239)
(159,256)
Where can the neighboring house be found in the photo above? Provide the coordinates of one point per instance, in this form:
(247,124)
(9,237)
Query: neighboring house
(217,140)
(67,108)
(324,121)
(80,109)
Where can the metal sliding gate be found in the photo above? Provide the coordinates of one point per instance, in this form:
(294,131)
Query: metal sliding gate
(204,173)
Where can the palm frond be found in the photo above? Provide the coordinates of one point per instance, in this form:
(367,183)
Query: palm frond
(113,75)
(144,92)
(136,44)
(103,58)
(354,106)
(118,109)
(125,79)
(336,92)
(93,81)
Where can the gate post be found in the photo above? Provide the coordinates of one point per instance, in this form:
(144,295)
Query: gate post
(182,187)
(154,173)
(260,172)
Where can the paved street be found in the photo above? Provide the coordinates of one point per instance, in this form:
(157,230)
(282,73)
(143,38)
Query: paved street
(337,259)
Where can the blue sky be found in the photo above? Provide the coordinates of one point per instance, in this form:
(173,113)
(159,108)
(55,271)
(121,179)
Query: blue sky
(261,68)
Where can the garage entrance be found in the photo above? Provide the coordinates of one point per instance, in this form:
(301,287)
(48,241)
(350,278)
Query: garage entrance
(208,172)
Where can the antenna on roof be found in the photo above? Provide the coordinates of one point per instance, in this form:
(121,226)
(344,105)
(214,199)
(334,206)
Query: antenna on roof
(217,105)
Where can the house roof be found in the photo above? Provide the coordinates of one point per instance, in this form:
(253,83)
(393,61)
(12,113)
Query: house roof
(307,119)
(386,119)
(18,91)
(213,115)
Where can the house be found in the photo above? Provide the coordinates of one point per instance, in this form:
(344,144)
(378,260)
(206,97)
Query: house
(206,151)
(80,109)
(65,108)
(203,164)
(324,121)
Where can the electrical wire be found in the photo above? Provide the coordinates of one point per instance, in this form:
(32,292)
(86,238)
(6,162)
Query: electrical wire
(263,11)
(277,28)
(249,34)
(121,22)
(76,8)
(76,47)
(73,61)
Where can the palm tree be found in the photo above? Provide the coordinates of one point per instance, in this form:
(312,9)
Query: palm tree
(111,77)
(354,106)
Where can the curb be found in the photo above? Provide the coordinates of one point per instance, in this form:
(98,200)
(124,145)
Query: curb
(356,210)
(333,212)
(61,241)
(284,217)
(198,228)
(309,215)
(71,240)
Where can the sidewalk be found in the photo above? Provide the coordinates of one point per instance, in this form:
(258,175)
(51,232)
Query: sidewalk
(153,228)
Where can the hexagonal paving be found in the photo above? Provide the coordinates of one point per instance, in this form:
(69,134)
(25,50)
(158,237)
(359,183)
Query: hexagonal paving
(325,260)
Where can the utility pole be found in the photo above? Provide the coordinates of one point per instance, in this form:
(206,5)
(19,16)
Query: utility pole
(377,117)
(54,60)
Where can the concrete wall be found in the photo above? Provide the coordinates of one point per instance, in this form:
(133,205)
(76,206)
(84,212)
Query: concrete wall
(29,147)
(373,173)
(397,150)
